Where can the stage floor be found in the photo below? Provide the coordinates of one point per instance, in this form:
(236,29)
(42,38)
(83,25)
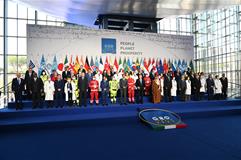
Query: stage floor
(213,132)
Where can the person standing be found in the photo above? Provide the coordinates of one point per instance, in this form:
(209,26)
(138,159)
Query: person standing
(196,87)
(69,90)
(182,88)
(36,88)
(28,79)
(140,86)
(218,88)
(114,84)
(174,88)
(156,90)
(59,92)
(18,89)
(49,92)
(94,89)
(210,87)
(167,86)
(123,89)
(104,90)
(224,82)
(83,89)
(131,89)
(147,81)
(188,91)
(66,74)
(203,86)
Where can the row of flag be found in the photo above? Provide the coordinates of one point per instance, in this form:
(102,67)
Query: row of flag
(126,64)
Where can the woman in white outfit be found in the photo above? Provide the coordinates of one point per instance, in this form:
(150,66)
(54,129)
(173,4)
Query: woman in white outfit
(203,85)
(174,89)
(49,92)
(188,89)
(218,88)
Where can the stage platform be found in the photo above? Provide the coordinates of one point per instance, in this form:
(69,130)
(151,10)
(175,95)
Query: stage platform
(83,115)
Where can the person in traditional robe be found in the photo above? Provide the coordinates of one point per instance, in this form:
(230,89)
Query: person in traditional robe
(49,92)
(18,89)
(156,90)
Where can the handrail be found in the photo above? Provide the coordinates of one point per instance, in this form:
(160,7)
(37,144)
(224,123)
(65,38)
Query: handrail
(5,85)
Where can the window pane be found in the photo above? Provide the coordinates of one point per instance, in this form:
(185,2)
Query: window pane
(12,64)
(22,46)
(1,64)
(1,26)
(1,8)
(22,27)
(12,45)
(12,27)
(22,64)
(31,13)
(42,16)
(22,11)
(1,80)
(12,9)
(1,45)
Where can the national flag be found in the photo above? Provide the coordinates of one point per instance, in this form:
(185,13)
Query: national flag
(116,66)
(180,66)
(160,67)
(82,61)
(129,64)
(191,66)
(92,63)
(66,61)
(165,66)
(137,64)
(107,65)
(87,65)
(55,64)
(77,64)
(133,66)
(149,65)
(173,67)
(71,65)
(42,65)
(31,64)
(145,63)
(101,66)
(96,64)
(120,65)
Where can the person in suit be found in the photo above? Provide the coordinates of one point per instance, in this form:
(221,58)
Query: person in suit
(66,74)
(18,89)
(59,92)
(28,79)
(36,88)
(210,87)
(140,86)
(83,89)
(224,82)
(123,89)
(104,90)
(168,86)
(182,88)
(196,87)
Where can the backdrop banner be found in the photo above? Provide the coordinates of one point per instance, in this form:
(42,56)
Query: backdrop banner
(50,46)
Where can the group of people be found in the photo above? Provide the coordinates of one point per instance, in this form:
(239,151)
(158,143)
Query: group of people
(74,89)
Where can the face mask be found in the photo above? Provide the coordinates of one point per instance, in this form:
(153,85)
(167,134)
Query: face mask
(94,78)
(44,73)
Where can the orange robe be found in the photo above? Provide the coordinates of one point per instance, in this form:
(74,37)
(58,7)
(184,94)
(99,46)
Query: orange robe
(156,91)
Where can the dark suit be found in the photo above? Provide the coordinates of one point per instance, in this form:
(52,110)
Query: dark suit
(182,89)
(36,88)
(65,75)
(104,85)
(224,82)
(18,88)
(167,88)
(28,78)
(59,93)
(82,86)
(196,88)
(123,90)
(140,84)
(210,88)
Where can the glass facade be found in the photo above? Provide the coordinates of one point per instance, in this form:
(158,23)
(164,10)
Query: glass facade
(216,41)
(18,16)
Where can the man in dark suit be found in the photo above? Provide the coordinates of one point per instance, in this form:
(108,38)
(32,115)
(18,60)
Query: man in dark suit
(168,86)
(182,88)
(36,88)
(210,87)
(83,88)
(140,87)
(18,88)
(59,92)
(123,89)
(28,79)
(196,87)
(66,74)
(224,82)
